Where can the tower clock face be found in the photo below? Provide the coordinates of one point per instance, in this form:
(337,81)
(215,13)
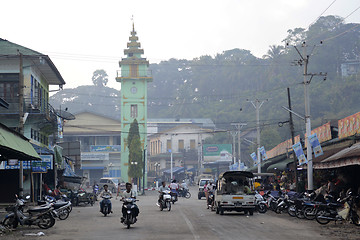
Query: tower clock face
(133,90)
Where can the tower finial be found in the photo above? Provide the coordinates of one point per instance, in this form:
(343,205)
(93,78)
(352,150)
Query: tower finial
(132,19)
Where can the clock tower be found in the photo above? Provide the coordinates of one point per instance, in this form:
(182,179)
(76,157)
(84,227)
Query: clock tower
(134,77)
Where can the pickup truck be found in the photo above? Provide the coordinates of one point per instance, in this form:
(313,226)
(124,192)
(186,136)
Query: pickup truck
(233,193)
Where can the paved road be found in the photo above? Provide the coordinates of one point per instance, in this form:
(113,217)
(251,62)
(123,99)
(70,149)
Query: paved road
(188,219)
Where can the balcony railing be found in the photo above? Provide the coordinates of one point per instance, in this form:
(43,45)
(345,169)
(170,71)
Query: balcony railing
(38,106)
(134,74)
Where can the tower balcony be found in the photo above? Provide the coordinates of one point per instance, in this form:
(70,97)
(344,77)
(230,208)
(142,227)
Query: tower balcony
(133,75)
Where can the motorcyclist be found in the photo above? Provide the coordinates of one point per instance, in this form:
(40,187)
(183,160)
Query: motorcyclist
(210,189)
(162,188)
(129,193)
(174,188)
(105,193)
(183,188)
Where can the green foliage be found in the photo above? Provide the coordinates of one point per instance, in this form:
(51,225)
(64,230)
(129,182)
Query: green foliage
(100,78)
(135,151)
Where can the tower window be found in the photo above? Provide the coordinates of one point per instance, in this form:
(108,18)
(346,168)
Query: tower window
(133,111)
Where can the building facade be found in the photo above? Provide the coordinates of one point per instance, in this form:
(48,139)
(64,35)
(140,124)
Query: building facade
(99,138)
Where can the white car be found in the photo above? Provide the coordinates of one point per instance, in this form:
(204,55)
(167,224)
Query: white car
(202,182)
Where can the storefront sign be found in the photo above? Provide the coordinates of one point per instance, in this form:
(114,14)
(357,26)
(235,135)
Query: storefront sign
(323,133)
(349,126)
(105,148)
(299,153)
(282,147)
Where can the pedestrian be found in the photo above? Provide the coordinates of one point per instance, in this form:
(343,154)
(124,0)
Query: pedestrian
(206,192)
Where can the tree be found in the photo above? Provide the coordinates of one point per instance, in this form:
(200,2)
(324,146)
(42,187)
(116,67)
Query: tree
(135,152)
(274,52)
(100,78)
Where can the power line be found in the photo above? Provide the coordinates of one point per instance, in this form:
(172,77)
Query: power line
(321,14)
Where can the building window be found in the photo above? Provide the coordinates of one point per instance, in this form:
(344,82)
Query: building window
(181,145)
(133,70)
(102,140)
(192,143)
(168,145)
(133,111)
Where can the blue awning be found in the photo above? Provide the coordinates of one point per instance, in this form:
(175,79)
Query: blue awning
(91,168)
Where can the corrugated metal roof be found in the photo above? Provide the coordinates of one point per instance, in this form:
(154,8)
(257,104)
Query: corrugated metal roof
(350,152)
(42,62)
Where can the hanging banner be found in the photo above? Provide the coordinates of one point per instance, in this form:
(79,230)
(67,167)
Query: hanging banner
(253,156)
(60,128)
(263,153)
(315,144)
(299,153)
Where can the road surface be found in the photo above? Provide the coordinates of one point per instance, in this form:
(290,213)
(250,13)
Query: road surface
(188,219)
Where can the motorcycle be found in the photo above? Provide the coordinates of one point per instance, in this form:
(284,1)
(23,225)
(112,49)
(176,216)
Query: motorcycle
(211,201)
(174,196)
(40,216)
(128,208)
(165,201)
(106,205)
(262,206)
(59,208)
(344,209)
(184,193)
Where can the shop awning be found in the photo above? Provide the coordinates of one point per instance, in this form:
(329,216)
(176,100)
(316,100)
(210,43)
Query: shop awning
(15,146)
(280,166)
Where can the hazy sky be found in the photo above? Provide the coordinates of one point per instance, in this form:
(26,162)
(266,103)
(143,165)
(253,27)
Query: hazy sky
(81,36)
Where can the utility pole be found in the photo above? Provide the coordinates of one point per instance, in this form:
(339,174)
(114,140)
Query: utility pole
(233,134)
(304,61)
(21,119)
(238,127)
(257,105)
(292,139)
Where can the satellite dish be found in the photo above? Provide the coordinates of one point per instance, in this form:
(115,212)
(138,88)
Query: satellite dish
(64,115)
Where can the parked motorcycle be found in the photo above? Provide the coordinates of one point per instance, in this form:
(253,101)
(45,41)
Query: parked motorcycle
(59,208)
(165,201)
(129,210)
(106,205)
(40,216)
(345,209)
(262,206)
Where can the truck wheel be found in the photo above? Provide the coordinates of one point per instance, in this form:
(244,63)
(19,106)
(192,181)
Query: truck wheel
(217,210)
(251,212)
(221,211)
(199,197)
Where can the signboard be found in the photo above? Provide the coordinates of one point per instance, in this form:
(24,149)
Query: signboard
(217,152)
(105,148)
(253,156)
(349,126)
(263,153)
(60,128)
(299,153)
(92,156)
(282,147)
(39,166)
(45,159)
(315,144)
(13,162)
